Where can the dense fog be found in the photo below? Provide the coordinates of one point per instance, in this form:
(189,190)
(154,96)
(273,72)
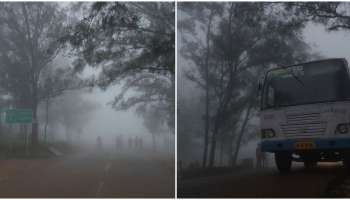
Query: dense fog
(201,30)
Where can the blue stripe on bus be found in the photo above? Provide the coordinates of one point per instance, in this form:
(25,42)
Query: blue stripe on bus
(321,144)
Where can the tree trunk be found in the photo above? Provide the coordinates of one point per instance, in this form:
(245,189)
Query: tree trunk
(213,148)
(1,127)
(221,151)
(25,128)
(241,132)
(232,138)
(154,142)
(34,78)
(35,138)
(207,100)
(46,119)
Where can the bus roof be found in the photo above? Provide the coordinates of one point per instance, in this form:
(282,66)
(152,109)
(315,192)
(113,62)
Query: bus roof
(304,63)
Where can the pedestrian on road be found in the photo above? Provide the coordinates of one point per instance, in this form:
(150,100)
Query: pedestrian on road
(117,145)
(136,145)
(121,141)
(99,143)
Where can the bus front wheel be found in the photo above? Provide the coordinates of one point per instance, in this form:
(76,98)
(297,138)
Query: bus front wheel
(283,161)
(346,159)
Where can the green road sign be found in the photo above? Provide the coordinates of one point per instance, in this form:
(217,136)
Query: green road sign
(19,116)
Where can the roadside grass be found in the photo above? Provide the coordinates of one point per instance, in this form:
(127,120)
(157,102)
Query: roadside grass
(190,173)
(12,147)
(339,187)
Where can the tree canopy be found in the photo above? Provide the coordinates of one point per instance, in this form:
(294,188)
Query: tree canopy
(134,45)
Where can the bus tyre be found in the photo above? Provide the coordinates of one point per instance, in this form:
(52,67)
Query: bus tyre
(346,160)
(283,161)
(346,164)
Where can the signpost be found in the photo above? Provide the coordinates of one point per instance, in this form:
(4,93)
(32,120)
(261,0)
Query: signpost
(23,116)
(20,116)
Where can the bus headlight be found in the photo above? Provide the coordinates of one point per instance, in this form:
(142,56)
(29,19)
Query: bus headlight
(267,133)
(342,128)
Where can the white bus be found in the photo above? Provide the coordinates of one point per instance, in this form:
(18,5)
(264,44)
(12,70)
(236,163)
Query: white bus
(305,113)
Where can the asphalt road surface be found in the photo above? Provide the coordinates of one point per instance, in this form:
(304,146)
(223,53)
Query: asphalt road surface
(87,175)
(268,183)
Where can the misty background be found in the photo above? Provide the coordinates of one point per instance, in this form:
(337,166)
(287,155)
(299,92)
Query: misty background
(205,43)
(87,99)
(88,70)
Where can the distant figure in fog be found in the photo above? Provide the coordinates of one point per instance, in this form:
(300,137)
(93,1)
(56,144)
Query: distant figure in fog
(99,143)
(136,142)
(116,142)
(119,142)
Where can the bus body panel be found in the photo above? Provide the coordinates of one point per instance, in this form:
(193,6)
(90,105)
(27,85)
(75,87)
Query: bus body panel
(313,122)
(305,113)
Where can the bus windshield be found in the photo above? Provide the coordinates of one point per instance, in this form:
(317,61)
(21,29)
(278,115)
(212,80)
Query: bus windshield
(320,81)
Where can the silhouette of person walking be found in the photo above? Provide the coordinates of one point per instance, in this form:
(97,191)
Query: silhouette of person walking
(99,143)
(119,142)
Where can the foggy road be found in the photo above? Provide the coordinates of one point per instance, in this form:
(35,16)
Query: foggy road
(88,176)
(267,183)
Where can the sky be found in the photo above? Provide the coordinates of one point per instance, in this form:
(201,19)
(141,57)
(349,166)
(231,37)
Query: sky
(329,44)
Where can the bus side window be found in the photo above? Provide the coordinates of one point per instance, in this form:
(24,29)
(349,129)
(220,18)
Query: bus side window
(343,84)
(270,96)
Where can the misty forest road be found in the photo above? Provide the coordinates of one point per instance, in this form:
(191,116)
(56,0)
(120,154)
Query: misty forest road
(88,176)
(267,183)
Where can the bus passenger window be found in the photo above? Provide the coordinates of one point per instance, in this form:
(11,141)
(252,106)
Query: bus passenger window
(270,97)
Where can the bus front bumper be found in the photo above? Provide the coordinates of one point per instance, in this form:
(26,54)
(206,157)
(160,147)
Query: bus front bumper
(318,144)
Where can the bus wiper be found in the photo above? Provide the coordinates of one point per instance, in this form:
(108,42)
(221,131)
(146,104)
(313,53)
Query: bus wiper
(294,76)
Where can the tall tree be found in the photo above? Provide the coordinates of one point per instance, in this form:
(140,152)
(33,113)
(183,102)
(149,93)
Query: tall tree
(333,15)
(248,38)
(29,34)
(134,45)
(204,15)
(55,81)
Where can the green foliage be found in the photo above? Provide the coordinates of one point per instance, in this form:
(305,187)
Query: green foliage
(29,35)
(333,15)
(134,44)
(135,36)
